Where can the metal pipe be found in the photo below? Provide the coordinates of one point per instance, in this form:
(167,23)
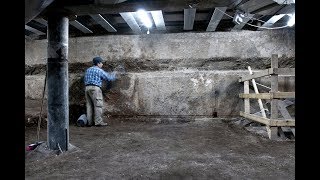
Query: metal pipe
(58,88)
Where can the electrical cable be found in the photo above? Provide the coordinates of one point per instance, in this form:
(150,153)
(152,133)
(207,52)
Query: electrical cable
(255,25)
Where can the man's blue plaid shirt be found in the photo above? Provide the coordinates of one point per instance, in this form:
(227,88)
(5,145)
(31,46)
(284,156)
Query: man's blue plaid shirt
(94,75)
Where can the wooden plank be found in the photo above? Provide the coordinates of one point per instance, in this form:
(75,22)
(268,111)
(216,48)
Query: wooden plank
(164,5)
(188,18)
(255,96)
(293,130)
(131,21)
(269,71)
(272,132)
(262,73)
(246,101)
(80,26)
(283,95)
(275,95)
(274,88)
(256,118)
(36,31)
(257,92)
(103,22)
(285,114)
(216,18)
(254,5)
(284,71)
(269,122)
(282,122)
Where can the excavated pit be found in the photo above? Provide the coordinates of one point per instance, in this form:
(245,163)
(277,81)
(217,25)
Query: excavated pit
(157,146)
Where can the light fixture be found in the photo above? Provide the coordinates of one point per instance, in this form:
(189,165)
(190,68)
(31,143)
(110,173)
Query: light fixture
(291,21)
(238,17)
(144,18)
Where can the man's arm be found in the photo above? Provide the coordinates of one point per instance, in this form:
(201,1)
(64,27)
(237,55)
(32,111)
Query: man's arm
(108,76)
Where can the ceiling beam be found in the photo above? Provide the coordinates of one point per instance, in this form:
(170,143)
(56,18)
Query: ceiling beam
(41,21)
(33,8)
(158,20)
(253,5)
(285,1)
(104,23)
(80,26)
(171,17)
(164,5)
(128,17)
(188,18)
(271,21)
(36,31)
(108,1)
(216,18)
(288,9)
(269,11)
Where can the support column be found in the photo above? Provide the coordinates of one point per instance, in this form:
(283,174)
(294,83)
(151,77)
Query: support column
(273,131)
(58,85)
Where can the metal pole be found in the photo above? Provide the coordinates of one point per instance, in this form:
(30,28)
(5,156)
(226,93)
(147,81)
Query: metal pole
(58,86)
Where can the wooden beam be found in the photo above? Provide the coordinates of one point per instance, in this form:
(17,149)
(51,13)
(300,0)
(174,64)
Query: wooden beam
(255,96)
(281,123)
(262,73)
(284,71)
(262,110)
(80,26)
(188,18)
(288,9)
(282,95)
(104,23)
(253,5)
(131,21)
(285,114)
(256,118)
(247,100)
(271,95)
(269,122)
(269,71)
(216,18)
(36,31)
(41,21)
(272,132)
(164,5)
(33,8)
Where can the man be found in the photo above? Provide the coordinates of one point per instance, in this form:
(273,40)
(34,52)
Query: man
(94,100)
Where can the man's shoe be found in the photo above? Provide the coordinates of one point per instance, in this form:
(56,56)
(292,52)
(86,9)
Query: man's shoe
(102,124)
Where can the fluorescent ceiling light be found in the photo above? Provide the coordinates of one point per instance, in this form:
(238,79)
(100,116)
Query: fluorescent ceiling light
(144,18)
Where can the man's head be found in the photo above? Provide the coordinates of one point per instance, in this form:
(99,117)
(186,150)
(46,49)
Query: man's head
(97,60)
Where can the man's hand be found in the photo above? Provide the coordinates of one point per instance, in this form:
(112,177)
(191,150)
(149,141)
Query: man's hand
(117,74)
(120,69)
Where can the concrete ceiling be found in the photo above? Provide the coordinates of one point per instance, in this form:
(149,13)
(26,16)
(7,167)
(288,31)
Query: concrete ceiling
(116,17)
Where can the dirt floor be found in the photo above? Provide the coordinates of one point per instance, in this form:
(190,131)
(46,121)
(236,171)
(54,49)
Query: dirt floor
(202,149)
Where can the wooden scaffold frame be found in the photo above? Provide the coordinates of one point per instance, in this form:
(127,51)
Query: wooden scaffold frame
(274,122)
